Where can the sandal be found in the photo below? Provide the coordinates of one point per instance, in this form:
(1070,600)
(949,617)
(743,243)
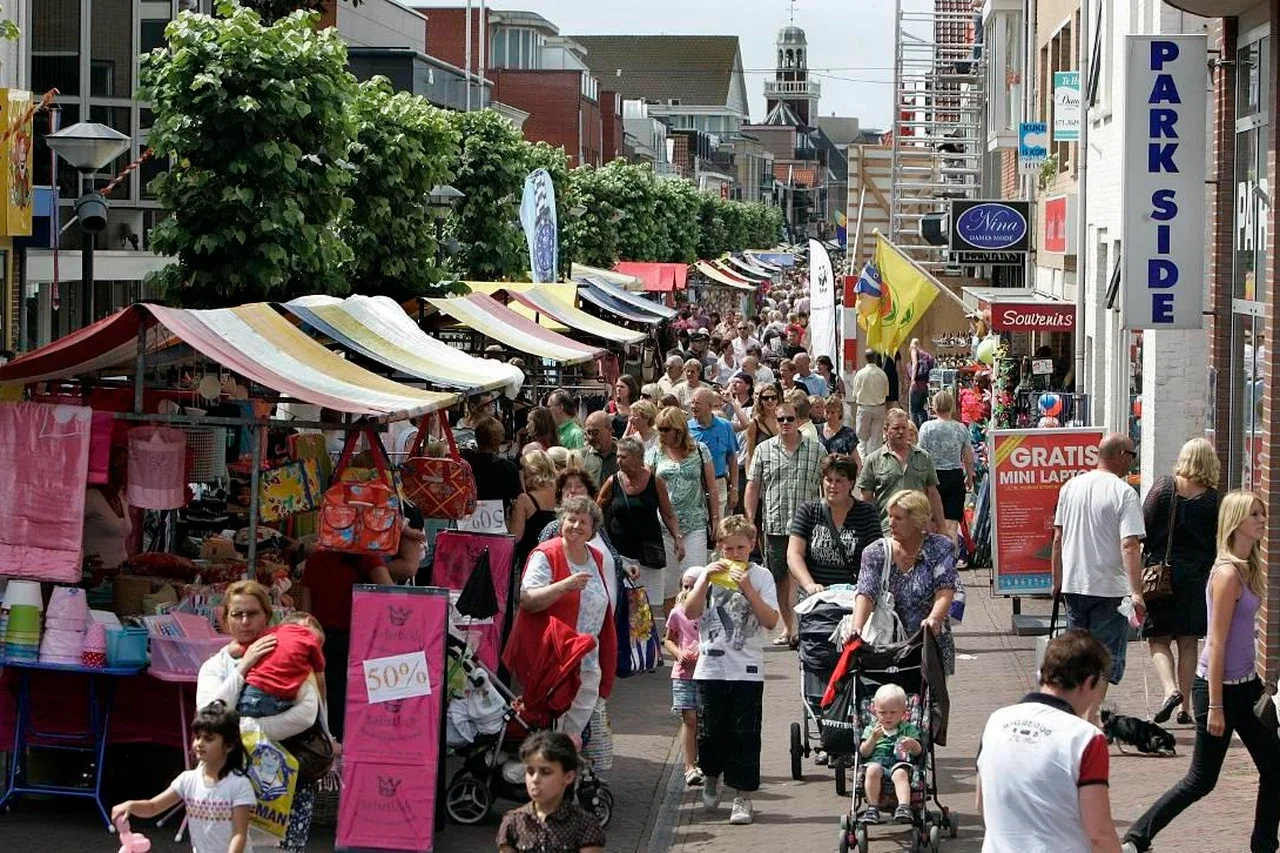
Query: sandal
(1172,701)
(782,640)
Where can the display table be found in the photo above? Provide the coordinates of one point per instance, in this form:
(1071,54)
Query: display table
(101,691)
(183,684)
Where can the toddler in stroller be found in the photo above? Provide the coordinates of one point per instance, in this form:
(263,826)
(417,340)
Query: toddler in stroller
(891,745)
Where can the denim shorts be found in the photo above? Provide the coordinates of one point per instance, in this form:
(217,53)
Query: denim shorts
(684,695)
(1099,616)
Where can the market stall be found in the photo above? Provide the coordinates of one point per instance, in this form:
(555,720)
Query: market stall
(657,278)
(613,298)
(617,279)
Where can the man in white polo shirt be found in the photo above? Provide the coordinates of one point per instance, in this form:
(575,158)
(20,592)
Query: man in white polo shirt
(1043,771)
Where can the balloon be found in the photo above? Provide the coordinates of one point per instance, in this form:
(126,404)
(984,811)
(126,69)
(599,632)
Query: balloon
(1050,404)
(987,350)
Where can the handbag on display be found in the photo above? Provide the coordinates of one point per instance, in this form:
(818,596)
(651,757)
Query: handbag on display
(439,488)
(884,627)
(639,647)
(361,518)
(1157,578)
(288,489)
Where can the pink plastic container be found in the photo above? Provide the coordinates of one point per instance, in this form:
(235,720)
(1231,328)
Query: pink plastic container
(180,658)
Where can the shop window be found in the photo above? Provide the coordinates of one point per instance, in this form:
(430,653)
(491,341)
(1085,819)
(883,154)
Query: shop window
(1248,367)
(111,54)
(55,46)
(1251,215)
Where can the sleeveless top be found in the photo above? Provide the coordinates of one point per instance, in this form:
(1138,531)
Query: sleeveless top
(633,519)
(1241,660)
(533,526)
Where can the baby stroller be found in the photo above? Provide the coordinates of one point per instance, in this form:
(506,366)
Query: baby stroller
(819,655)
(861,671)
(486,733)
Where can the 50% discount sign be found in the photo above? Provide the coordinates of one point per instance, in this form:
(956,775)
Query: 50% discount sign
(397,677)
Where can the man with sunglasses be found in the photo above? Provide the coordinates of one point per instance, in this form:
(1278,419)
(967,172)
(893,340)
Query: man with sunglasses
(1097,551)
(786,471)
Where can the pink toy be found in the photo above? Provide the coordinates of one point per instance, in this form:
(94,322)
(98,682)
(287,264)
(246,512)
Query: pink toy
(131,842)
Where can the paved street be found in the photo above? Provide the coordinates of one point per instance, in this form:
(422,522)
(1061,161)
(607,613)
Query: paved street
(655,813)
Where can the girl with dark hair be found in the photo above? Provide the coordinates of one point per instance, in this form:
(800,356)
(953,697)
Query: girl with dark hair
(551,820)
(217,795)
(625,392)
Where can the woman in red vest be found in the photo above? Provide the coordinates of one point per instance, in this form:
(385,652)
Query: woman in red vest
(565,586)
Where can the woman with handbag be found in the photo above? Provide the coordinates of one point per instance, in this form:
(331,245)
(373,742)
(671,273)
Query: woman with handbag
(577,483)
(1181,517)
(632,500)
(1227,694)
(534,509)
(684,466)
(828,536)
(908,579)
(222,677)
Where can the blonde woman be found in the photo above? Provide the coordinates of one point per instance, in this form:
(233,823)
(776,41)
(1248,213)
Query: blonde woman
(1185,503)
(921,576)
(534,509)
(640,424)
(1227,685)
(685,468)
(947,442)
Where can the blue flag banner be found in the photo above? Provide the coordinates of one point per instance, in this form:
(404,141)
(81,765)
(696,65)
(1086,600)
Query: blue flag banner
(538,219)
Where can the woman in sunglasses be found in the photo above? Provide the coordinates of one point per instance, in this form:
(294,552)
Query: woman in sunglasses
(685,468)
(764,420)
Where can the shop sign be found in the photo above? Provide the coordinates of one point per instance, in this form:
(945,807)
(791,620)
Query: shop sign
(991,259)
(1059,235)
(990,226)
(1032,317)
(1033,146)
(1028,468)
(1163,188)
(1066,106)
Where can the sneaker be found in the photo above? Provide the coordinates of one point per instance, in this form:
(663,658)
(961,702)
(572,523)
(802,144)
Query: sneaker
(711,793)
(871,815)
(902,814)
(742,812)
(693,777)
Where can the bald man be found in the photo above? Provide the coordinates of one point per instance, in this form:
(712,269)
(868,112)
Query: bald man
(718,435)
(601,458)
(1097,551)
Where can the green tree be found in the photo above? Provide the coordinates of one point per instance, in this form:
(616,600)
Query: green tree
(491,171)
(403,148)
(713,234)
(678,216)
(593,236)
(274,10)
(256,120)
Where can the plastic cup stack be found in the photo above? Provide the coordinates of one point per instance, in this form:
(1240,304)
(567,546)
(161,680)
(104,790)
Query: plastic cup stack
(24,604)
(65,623)
(95,646)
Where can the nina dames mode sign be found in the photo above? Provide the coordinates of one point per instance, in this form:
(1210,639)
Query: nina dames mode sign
(1163,187)
(990,226)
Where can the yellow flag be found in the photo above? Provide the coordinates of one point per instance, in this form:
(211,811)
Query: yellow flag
(908,293)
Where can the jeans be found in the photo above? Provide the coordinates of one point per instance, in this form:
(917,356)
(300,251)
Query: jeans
(1100,616)
(1206,761)
(919,406)
(729,719)
(255,702)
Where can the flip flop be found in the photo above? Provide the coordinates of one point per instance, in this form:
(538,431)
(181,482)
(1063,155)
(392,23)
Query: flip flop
(782,640)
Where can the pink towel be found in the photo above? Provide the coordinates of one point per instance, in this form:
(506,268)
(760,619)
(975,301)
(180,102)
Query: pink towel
(44,469)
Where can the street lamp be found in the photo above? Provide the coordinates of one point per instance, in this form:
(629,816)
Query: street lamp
(88,147)
(441,200)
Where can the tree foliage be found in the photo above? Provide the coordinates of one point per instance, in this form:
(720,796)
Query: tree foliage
(274,10)
(403,148)
(593,235)
(491,172)
(256,120)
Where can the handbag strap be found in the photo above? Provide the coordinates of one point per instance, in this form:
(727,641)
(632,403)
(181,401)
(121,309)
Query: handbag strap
(1053,615)
(1173,516)
(418,448)
(379,453)
(835,533)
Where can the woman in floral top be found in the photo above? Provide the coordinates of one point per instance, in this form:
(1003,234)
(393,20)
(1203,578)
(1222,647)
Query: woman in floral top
(922,576)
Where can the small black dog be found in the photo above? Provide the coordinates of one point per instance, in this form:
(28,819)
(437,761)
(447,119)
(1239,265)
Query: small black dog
(1144,736)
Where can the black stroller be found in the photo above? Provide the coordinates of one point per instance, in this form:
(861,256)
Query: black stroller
(916,667)
(819,655)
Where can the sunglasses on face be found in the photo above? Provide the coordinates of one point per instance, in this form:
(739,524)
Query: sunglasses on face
(786,419)
(666,429)
(769,398)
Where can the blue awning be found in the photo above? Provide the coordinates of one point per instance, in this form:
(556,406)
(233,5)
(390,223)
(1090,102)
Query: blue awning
(626,297)
(619,309)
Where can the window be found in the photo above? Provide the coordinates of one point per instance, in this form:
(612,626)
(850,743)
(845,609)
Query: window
(1057,55)
(1004,32)
(55,46)
(111,55)
(121,119)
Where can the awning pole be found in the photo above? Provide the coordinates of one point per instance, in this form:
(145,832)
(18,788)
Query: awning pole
(140,367)
(946,291)
(259,439)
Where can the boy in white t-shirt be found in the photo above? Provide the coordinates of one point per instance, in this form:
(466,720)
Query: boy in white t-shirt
(735,602)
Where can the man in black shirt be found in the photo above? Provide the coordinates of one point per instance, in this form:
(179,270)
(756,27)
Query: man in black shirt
(497,477)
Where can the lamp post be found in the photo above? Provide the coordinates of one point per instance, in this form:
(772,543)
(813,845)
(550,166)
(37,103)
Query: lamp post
(442,199)
(88,147)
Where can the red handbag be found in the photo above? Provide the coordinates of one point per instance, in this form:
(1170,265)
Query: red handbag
(439,488)
(361,517)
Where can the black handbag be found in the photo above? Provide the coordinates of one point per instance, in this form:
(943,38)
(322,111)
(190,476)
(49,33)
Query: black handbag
(1157,577)
(1265,708)
(313,750)
(653,554)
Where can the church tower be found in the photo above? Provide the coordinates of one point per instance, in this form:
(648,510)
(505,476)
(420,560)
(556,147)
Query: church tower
(791,98)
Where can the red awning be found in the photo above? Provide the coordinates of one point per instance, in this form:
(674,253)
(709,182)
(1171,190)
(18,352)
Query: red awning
(657,278)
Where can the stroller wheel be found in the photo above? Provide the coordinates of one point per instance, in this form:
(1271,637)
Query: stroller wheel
(953,824)
(797,753)
(842,779)
(467,800)
(860,837)
(598,800)
(935,838)
(843,844)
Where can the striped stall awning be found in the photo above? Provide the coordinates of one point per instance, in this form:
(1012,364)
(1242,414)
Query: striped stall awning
(492,319)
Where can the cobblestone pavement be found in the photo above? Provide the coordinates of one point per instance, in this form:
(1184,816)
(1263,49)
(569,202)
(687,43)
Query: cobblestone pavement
(654,813)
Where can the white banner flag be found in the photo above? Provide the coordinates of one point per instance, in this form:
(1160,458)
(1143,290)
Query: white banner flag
(822,304)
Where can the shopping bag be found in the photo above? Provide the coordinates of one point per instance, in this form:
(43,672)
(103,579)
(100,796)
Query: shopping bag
(288,489)
(638,643)
(839,724)
(360,518)
(439,488)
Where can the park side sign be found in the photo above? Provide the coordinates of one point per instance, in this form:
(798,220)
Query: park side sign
(1163,187)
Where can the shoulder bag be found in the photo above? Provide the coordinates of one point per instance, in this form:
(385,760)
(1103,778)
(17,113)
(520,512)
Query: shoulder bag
(708,493)
(361,518)
(884,627)
(440,488)
(653,554)
(1157,578)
